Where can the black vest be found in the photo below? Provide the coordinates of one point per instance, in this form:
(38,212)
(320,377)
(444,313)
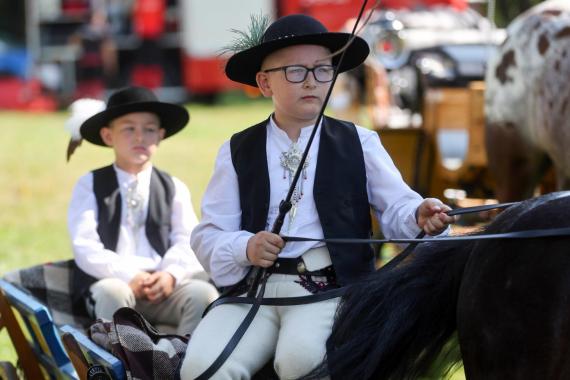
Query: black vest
(108,196)
(339,191)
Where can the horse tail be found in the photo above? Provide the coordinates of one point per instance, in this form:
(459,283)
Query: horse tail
(395,324)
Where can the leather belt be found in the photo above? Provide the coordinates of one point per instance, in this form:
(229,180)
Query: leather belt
(296,266)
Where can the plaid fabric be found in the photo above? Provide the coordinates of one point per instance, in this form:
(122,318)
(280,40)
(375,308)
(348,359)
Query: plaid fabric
(51,284)
(145,353)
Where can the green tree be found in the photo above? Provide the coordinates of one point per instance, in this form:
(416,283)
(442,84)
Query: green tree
(507,10)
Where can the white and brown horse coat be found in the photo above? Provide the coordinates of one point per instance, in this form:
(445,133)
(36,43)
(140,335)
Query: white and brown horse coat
(527,102)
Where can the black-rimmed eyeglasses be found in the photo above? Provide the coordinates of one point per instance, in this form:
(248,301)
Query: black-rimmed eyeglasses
(298,73)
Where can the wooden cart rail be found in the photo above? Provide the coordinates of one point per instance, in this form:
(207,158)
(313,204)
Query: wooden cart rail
(38,342)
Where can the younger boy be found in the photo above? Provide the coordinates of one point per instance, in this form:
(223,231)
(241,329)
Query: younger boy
(347,172)
(130,223)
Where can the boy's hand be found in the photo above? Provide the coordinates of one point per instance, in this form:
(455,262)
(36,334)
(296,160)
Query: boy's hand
(263,248)
(159,286)
(137,284)
(431,216)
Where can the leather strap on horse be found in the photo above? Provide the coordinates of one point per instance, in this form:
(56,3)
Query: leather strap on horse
(528,234)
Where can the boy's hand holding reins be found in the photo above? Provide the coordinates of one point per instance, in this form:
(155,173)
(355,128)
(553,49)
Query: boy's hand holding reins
(431,216)
(263,248)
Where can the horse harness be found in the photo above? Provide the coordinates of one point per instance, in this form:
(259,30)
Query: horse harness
(296,266)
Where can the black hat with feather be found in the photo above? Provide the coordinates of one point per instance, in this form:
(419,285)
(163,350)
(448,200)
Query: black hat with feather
(252,47)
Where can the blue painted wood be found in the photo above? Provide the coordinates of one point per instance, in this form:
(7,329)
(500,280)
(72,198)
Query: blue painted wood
(39,325)
(97,355)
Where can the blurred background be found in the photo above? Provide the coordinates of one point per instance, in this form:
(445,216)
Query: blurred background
(54,51)
(422,89)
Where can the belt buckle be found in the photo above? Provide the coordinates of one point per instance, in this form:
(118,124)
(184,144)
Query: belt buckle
(301,267)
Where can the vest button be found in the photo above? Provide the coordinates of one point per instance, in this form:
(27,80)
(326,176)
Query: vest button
(301,268)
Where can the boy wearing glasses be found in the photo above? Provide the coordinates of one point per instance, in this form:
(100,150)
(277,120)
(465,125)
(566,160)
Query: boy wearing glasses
(347,171)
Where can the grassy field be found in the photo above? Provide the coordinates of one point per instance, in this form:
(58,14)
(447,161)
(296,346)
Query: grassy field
(36,180)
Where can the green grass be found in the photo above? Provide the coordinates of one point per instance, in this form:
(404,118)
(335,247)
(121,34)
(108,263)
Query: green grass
(36,181)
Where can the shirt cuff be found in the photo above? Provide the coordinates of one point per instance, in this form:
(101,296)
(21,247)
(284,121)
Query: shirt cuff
(177,272)
(411,226)
(127,275)
(240,250)
(445,232)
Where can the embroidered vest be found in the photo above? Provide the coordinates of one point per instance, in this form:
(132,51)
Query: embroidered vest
(339,191)
(108,197)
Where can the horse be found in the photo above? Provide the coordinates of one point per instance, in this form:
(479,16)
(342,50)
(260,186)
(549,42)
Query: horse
(507,299)
(527,103)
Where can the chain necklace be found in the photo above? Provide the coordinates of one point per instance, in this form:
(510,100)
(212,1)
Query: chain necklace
(290,161)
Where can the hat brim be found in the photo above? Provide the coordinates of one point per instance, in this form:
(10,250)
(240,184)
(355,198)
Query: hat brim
(173,118)
(242,67)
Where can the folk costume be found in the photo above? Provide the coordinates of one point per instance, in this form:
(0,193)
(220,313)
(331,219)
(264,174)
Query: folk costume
(347,172)
(121,224)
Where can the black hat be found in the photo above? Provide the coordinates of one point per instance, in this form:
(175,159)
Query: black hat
(297,29)
(134,99)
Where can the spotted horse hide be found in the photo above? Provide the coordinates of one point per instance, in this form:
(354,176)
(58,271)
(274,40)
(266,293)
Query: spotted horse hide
(527,102)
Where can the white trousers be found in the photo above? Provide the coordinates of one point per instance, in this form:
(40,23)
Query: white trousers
(179,313)
(295,335)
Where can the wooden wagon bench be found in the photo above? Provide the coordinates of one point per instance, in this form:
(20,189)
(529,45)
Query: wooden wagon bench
(35,301)
(46,350)
(37,340)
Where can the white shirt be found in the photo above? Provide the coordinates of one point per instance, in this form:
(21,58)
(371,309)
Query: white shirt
(134,252)
(220,244)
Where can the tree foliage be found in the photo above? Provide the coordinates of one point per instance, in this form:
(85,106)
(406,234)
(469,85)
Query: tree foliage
(507,10)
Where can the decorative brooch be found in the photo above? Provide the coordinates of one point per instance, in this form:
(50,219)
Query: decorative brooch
(290,161)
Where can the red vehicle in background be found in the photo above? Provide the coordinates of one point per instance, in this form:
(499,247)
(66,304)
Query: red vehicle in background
(206,30)
(204,39)
(173,46)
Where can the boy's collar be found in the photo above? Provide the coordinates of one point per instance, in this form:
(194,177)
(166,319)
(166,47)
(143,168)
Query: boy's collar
(123,175)
(305,131)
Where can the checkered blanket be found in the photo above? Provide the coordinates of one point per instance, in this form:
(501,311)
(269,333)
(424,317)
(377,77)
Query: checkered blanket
(51,284)
(145,352)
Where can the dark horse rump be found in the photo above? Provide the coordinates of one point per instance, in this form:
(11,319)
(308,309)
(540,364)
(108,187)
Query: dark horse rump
(509,301)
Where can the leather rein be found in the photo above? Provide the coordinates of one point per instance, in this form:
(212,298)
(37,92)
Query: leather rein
(527,234)
(258,300)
